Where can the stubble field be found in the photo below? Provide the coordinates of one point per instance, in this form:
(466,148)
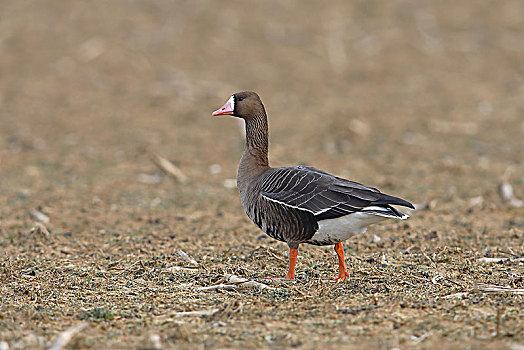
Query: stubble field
(424,100)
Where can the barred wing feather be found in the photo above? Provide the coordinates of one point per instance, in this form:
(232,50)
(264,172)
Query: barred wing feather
(324,195)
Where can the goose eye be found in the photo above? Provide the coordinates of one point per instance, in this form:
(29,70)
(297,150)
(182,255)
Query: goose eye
(240,98)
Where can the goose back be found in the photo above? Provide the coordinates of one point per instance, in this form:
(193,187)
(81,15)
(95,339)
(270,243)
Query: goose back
(289,203)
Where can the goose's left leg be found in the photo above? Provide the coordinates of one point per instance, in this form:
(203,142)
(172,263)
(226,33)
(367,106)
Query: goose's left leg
(293,253)
(342,271)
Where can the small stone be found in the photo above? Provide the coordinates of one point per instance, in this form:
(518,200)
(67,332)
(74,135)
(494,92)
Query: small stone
(39,216)
(215,169)
(150,179)
(91,49)
(230,183)
(475,201)
(485,108)
(359,127)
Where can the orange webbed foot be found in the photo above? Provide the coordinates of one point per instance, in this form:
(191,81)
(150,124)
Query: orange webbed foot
(293,253)
(342,277)
(343,274)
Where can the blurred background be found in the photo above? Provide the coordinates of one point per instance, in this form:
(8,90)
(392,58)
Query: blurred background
(423,99)
(363,88)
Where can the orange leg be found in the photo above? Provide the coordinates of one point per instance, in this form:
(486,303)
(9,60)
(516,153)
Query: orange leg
(293,253)
(342,272)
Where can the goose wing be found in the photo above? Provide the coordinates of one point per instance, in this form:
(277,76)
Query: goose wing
(324,195)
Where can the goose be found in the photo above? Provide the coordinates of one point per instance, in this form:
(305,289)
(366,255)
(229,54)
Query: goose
(301,204)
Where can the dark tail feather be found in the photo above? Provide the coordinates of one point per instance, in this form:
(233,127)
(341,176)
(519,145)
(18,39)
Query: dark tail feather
(386,199)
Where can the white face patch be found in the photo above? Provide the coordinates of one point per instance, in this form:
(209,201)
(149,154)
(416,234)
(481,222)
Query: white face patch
(231,102)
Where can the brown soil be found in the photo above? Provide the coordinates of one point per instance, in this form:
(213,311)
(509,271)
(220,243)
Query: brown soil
(421,99)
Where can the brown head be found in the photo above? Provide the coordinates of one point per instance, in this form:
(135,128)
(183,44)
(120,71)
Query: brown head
(245,104)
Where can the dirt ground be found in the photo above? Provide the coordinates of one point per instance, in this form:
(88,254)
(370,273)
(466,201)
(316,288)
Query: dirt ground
(424,100)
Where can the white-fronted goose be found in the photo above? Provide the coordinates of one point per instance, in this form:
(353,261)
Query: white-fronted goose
(301,204)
